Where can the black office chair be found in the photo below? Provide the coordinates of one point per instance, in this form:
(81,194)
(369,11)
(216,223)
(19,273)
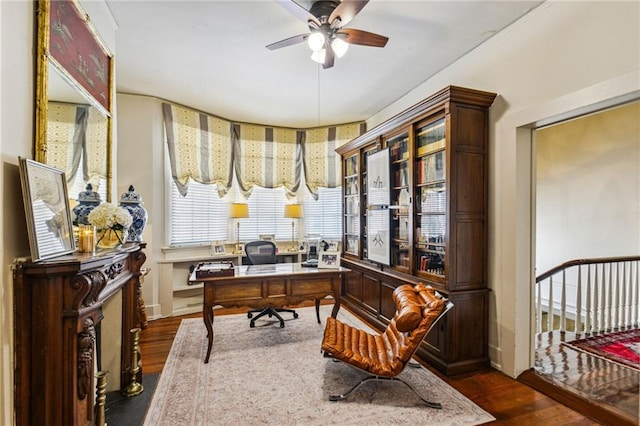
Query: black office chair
(264,253)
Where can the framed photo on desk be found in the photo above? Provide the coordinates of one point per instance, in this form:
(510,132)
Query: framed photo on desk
(329,259)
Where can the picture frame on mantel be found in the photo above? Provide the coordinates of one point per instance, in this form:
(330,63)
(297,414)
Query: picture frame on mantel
(46,204)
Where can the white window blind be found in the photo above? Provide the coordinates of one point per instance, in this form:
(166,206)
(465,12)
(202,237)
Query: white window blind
(200,217)
(266,215)
(324,216)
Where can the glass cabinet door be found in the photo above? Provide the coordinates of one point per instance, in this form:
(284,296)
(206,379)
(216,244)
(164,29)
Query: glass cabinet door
(400,201)
(351,186)
(431,199)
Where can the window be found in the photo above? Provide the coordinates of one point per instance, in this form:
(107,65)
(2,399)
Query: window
(266,215)
(200,217)
(324,216)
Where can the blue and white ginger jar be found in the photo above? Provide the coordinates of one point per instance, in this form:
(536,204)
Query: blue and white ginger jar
(87,201)
(132,202)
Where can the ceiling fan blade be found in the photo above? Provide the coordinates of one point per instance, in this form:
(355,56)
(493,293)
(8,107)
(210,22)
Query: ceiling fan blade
(288,42)
(329,59)
(347,10)
(298,11)
(363,38)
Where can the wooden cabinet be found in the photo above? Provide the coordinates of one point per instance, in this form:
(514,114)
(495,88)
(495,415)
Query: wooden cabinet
(58,313)
(438,191)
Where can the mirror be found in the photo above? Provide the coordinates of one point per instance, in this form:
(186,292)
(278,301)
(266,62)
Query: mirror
(73,97)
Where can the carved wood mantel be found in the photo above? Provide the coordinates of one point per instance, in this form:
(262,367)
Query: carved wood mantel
(58,305)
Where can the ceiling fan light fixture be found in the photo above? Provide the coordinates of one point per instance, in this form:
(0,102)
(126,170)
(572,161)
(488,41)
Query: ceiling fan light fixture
(319,56)
(339,47)
(316,41)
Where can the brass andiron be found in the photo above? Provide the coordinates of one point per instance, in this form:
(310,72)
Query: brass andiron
(101,397)
(134,387)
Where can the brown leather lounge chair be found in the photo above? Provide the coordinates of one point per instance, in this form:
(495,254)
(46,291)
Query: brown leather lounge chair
(384,356)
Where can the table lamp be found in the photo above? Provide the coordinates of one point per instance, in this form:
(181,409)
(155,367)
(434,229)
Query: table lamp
(238,211)
(293,211)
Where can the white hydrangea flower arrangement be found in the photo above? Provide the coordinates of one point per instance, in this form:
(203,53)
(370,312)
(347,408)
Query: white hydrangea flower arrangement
(110,216)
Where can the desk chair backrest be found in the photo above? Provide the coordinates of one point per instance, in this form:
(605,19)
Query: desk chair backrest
(260,252)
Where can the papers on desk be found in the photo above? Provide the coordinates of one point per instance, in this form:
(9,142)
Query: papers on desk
(214,269)
(215,266)
(260,269)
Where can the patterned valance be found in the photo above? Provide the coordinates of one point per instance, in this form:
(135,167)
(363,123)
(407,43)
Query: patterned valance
(207,149)
(199,148)
(75,132)
(322,165)
(270,157)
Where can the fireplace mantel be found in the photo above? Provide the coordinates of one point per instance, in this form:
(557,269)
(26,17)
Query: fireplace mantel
(58,304)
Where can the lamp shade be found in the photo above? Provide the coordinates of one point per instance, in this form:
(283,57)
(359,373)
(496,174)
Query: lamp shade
(293,210)
(238,210)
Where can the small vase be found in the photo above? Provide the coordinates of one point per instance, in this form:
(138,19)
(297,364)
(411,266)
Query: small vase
(132,202)
(87,201)
(111,238)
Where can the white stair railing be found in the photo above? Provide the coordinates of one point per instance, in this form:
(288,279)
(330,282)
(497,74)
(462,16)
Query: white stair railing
(589,295)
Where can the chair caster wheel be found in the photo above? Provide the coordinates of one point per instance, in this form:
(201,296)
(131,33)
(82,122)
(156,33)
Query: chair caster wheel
(270,315)
(252,324)
(249,315)
(281,325)
(295,315)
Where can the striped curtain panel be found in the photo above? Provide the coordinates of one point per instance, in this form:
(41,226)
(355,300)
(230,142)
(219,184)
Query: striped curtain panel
(270,157)
(322,165)
(96,155)
(199,148)
(66,125)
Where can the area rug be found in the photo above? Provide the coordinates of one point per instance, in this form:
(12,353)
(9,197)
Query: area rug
(622,347)
(278,376)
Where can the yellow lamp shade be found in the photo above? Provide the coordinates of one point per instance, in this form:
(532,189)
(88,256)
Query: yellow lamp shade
(238,210)
(293,210)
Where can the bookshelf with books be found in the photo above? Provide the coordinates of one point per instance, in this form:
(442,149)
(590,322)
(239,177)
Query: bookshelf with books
(400,186)
(351,193)
(438,152)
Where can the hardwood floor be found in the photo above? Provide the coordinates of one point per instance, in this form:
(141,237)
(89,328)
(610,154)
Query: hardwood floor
(602,389)
(508,400)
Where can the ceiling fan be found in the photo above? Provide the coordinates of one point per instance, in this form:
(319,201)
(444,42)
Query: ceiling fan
(327,37)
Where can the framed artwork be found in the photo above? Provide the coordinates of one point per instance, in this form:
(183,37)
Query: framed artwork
(379,235)
(378,178)
(218,249)
(329,259)
(46,204)
(78,53)
(268,237)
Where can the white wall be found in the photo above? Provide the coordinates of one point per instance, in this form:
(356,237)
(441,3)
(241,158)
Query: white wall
(141,164)
(562,57)
(16,135)
(588,188)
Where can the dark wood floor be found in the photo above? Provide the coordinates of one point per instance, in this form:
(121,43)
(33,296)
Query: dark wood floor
(605,390)
(508,400)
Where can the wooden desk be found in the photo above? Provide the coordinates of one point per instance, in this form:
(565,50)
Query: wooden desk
(277,285)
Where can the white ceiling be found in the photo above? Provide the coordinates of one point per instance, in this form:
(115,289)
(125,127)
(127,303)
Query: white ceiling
(211,56)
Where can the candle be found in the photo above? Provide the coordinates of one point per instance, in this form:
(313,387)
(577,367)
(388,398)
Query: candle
(87,238)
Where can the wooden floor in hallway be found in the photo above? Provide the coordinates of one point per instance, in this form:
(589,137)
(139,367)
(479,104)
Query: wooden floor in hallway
(602,389)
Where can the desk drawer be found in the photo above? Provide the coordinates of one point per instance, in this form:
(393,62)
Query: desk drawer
(307,286)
